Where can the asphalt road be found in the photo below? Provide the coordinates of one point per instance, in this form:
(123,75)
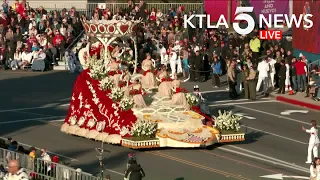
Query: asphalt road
(33,106)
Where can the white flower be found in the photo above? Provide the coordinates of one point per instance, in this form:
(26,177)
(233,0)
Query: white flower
(106,83)
(91,123)
(192,99)
(73,120)
(81,121)
(124,131)
(126,103)
(97,68)
(101,125)
(96,100)
(116,94)
(143,128)
(227,121)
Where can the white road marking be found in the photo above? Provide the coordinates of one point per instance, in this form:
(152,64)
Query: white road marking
(274,115)
(249,102)
(289,112)
(58,120)
(31,113)
(266,157)
(244,115)
(281,176)
(32,119)
(31,108)
(218,90)
(275,135)
(116,172)
(278,162)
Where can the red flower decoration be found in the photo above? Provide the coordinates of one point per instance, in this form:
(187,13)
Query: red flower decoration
(146,72)
(135,92)
(122,84)
(180,90)
(166,79)
(81,87)
(112,73)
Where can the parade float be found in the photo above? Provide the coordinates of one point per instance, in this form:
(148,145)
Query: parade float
(101,111)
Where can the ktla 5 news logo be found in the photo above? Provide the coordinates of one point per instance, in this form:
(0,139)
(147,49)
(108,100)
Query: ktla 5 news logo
(272,21)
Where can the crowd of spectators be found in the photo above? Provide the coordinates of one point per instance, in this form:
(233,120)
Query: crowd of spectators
(35,37)
(205,53)
(27,159)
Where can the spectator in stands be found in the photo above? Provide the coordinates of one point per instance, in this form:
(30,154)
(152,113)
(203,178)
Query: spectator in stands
(46,161)
(13,147)
(15,172)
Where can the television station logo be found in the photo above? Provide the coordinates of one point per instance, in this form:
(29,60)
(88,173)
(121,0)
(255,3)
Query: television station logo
(272,21)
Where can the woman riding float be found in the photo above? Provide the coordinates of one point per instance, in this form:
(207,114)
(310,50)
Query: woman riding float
(148,79)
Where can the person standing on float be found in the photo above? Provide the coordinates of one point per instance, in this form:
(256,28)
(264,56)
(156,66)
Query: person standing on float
(173,62)
(313,141)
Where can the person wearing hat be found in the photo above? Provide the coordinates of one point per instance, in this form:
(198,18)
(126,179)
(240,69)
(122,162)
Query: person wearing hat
(249,82)
(196,91)
(282,77)
(135,171)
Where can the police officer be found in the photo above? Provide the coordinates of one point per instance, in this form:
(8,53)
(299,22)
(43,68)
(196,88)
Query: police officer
(250,91)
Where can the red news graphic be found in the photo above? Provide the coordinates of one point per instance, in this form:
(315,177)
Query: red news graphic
(270,34)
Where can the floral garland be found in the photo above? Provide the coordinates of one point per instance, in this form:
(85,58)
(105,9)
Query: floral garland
(112,73)
(135,92)
(166,79)
(106,84)
(123,84)
(116,94)
(192,99)
(180,90)
(228,121)
(144,129)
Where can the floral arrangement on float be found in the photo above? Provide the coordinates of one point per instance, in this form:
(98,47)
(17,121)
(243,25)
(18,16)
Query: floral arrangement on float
(143,135)
(192,99)
(229,126)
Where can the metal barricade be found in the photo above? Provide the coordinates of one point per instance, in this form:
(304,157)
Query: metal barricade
(42,169)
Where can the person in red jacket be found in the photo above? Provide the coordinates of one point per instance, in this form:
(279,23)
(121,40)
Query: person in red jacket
(301,70)
(58,38)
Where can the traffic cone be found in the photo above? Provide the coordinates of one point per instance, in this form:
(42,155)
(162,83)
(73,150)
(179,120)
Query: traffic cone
(291,92)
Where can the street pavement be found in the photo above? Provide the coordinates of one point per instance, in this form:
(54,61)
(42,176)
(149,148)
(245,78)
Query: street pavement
(33,106)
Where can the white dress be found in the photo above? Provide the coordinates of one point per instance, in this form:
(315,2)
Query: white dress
(315,172)
(287,82)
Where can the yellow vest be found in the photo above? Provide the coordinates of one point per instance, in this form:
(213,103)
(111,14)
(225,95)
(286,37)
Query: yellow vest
(255,45)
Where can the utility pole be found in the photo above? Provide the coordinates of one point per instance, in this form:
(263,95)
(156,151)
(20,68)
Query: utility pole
(100,152)
(229,12)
